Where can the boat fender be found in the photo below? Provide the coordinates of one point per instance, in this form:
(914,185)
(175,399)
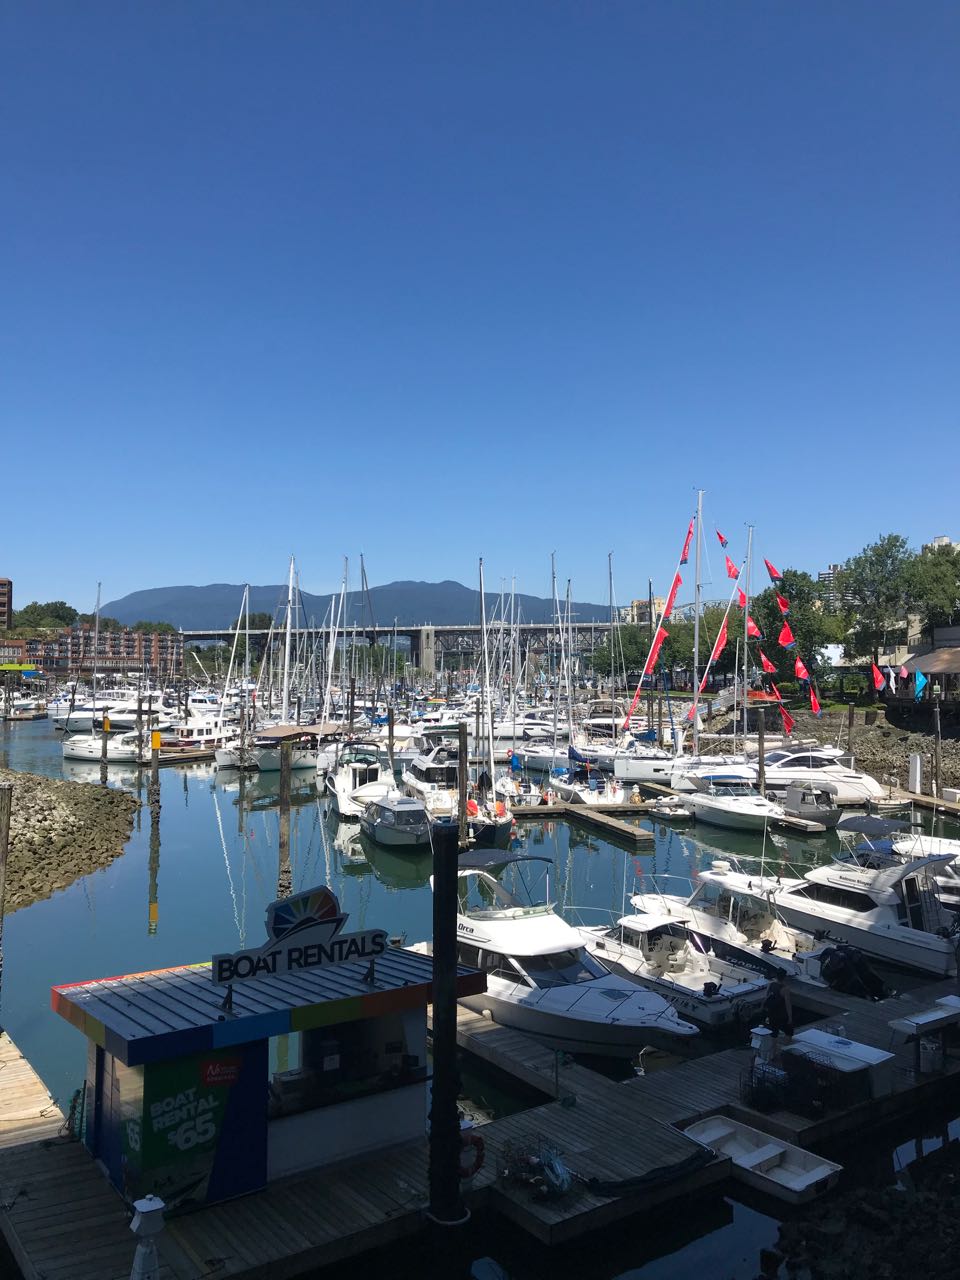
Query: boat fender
(500,808)
(471,1153)
(472,808)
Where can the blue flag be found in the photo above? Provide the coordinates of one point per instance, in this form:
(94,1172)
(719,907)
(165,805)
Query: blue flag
(919,684)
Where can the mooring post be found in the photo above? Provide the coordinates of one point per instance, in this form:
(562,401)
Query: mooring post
(284,879)
(937,749)
(104,735)
(446,1204)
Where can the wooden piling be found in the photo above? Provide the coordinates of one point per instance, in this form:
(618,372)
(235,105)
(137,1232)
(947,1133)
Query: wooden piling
(284,875)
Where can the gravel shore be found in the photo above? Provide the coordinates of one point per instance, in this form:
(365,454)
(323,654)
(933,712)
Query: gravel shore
(60,831)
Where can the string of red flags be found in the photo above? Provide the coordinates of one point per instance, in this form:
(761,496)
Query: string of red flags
(685,554)
(723,540)
(767,665)
(786,639)
(720,642)
(788,720)
(783,604)
(814,702)
(741,598)
(668,607)
(732,570)
(753,631)
(775,574)
(801,671)
(879,681)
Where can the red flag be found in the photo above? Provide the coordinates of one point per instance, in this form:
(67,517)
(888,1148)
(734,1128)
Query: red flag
(686,544)
(783,603)
(655,648)
(741,598)
(800,670)
(775,574)
(767,665)
(668,607)
(721,641)
(776,691)
(904,673)
(878,679)
(788,720)
(732,570)
(723,541)
(753,631)
(786,637)
(814,702)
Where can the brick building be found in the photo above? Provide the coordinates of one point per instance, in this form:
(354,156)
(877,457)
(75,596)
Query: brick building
(157,653)
(6,604)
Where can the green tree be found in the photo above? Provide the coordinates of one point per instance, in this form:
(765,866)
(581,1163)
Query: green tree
(879,585)
(55,613)
(162,628)
(807,619)
(934,586)
(630,646)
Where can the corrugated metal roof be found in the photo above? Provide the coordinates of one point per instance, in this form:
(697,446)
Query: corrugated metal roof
(936,662)
(169,1013)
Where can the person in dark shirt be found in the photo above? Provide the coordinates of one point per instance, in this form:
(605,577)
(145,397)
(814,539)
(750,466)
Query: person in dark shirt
(778,1008)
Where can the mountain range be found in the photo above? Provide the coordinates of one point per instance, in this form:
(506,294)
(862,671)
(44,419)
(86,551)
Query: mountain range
(409,603)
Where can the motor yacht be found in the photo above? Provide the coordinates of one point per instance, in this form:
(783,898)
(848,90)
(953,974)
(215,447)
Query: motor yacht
(359,777)
(397,821)
(722,800)
(887,908)
(542,980)
(662,953)
(121,748)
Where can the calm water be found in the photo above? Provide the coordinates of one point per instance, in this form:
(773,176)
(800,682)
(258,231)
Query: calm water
(209,867)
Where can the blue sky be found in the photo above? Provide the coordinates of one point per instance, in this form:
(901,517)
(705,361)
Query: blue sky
(430,280)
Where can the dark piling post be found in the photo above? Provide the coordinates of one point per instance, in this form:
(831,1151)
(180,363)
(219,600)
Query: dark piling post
(446,1205)
(284,876)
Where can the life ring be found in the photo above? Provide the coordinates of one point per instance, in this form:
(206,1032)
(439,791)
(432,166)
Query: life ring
(472,808)
(471,1153)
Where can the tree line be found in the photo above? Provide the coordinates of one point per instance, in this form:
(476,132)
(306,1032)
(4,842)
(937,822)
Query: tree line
(54,615)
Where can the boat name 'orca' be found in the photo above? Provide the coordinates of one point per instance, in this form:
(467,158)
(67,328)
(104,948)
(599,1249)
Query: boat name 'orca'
(304,932)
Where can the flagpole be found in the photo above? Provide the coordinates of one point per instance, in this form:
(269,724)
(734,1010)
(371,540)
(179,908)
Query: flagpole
(746,634)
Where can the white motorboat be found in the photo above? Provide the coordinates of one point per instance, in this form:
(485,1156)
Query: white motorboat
(542,980)
(766,1163)
(433,777)
(724,801)
(578,787)
(267,755)
(947,876)
(360,776)
(122,748)
(820,766)
(660,952)
(812,802)
(889,910)
(397,821)
(641,762)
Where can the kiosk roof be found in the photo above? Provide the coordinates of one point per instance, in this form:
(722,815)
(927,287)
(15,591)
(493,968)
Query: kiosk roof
(169,1013)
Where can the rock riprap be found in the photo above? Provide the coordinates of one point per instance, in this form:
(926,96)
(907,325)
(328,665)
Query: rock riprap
(60,831)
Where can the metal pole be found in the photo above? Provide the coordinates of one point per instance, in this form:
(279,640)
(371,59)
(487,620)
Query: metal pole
(446,1205)
(761,763)
(284,877)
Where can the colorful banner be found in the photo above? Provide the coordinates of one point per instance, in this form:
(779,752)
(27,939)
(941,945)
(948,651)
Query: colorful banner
(753,631)
(787,718)
(783,604)
(919,684)
(775,574)
(723,541)
(814,702)
(800,670)
(668,607)
(732,570)
(878,681)
(786,638)
(655,648)
(718,646)
(684,554)
(741,598)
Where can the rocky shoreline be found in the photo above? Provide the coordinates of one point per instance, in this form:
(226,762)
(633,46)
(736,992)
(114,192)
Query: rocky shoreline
(60,831)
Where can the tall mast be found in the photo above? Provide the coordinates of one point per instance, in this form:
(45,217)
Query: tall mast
(285,703)
(613,679)
(696,628)
(485,693)
(746,633)
(96,650)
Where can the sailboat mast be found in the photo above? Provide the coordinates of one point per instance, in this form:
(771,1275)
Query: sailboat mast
(485,694)
(285,703)
(746,632)
(696,628)
(613,678)
(96,650)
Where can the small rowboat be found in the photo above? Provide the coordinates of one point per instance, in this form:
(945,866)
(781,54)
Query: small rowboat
(766,1163)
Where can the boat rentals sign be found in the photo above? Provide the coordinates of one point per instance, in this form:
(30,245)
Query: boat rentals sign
(304,931)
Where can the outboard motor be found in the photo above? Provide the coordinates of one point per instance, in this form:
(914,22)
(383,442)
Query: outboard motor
(711,989)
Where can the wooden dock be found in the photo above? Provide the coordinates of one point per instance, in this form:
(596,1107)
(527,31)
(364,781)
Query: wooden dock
(598,817)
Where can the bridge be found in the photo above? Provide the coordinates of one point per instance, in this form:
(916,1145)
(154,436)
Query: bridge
(432,646)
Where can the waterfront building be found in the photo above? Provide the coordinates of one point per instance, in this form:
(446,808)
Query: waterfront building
(71,650)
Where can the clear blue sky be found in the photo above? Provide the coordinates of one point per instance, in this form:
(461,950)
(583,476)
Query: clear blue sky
(431,280)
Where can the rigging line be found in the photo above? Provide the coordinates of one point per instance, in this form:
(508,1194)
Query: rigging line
(226,863)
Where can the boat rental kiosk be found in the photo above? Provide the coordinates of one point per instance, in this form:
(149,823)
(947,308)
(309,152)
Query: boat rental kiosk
(208,1081)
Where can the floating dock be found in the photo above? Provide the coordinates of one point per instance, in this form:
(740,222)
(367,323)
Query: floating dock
(598,817)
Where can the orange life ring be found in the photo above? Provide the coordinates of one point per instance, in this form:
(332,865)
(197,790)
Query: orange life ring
(472,808)
(470,1142)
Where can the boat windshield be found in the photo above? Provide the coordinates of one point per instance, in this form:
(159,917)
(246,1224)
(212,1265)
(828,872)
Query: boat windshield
(409,817)
(561,968)
(482,897)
